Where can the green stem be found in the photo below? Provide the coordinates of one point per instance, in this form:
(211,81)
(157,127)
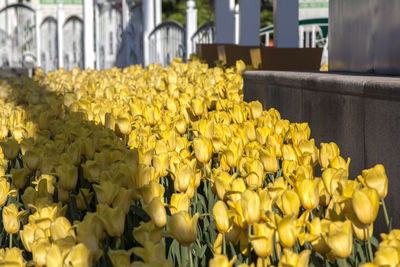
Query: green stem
(371,255)
(344,261)
(11,240)
(190,256)
(205,180)
(386,215)
(223,244)
(249,246)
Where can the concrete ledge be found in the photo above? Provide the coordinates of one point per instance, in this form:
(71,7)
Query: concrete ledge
(7,72)
(360,113)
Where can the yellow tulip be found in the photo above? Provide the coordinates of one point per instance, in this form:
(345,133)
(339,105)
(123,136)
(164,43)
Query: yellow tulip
(113,219)
(109,121)
(4,191)
(11,218)
(123,200)
(54,256)
(287,231)
(181,126)
(256,109)
(67,176)
(120,257)
(375,178)
(339,238)
(365,204)
(11,257)
(253,180)
(308,192)
(147,232)
(157,212)
(39,251)
(327,153)
(10,148)
(84,193)
(79,256)
(217,246)
(262,241)
(221,261)
(179,202)
(32,159)
(269,160)
(316,228)
(292,259)
(160,163)
(183,228)
(19,177)
(250,205)
(221,216)
(183,175)
(106,192)
(203,149)
(198,106)
(387,256)
(124,125)
(61,228)
(289,203)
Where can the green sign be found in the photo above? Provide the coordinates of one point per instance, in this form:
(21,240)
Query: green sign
(65,2)
(313,4)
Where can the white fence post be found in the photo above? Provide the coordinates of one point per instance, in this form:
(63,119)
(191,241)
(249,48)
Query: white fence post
(38,19)
(301,36)
(148,26)
(125,14)
(97,37)
(158,12)
(224,21)
(191,25)
(313,36)
(250,22)
(237,24)
(60,41)
(88,34)
(286,23)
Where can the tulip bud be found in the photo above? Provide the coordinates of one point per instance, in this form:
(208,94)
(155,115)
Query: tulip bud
(147,232)
(365,204)
(160,163)
(250,204)
(289,203)
(387,256)
(61,228)
(376,178)
(39,251)
(221,216)
(256,109)
(157,212)
(183,228)
(308,192)
(106,192)
(109,121)
(287,231)
(183,176)
(67,176)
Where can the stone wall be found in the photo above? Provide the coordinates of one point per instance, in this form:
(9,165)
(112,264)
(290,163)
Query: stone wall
(359,113)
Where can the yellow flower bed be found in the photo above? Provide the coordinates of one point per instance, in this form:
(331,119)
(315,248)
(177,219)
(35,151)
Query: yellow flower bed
(169,166)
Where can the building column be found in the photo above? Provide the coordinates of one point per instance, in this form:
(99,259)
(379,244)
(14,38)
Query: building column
(286,23)
(250,22)
(60,36)
(224,21)
(88,38)
(237,24)
(148,26)
(38,20)
(191,26)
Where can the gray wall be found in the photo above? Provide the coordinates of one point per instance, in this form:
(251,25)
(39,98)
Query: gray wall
(359,113)
(364,36)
